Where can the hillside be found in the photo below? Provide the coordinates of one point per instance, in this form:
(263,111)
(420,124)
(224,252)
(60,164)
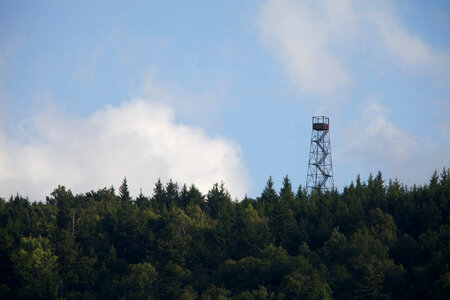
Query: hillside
(375,240)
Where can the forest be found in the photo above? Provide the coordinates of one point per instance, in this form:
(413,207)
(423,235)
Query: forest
(376,239)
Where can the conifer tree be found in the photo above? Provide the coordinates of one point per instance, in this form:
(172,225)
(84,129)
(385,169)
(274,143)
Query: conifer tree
(124,193)
(286,193)
(159,196)
(269,197)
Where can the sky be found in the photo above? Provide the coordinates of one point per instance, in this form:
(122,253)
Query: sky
(209,91)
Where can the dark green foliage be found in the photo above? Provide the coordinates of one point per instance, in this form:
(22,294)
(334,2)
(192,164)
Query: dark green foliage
(269,198)
(124,193)
(372,241)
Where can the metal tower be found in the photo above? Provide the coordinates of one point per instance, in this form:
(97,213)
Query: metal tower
(320,167)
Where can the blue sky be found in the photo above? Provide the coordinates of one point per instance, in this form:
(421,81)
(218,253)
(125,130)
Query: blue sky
(204,91)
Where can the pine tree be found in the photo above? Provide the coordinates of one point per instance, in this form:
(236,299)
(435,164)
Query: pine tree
(159,196)
(286,193)
(172,194)
(269,197)
(124,194)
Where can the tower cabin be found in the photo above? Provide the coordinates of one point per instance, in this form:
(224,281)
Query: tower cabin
(321,123)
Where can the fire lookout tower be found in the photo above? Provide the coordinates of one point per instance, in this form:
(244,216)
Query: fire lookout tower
(320,167)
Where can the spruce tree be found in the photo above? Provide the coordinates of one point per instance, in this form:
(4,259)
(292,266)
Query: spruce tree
(124,193)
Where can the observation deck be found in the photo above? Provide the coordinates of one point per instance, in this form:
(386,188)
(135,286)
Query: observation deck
(321,123)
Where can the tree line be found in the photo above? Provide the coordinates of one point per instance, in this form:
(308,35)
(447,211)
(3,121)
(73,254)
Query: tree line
(373,240)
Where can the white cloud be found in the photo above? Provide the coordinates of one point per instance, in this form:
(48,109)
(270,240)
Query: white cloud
(300,33)
(374,136)
(319,41)
(139,139)
(202,107)
(408,50)
(374,143)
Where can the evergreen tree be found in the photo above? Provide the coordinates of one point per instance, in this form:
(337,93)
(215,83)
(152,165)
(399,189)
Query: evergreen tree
(64,203)
(369,242)
(124,193)
(159,196)
(142,201)
(172,196)
(269,197)
(286,193)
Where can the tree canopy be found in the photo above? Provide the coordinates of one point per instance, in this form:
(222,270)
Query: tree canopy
(376,239)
